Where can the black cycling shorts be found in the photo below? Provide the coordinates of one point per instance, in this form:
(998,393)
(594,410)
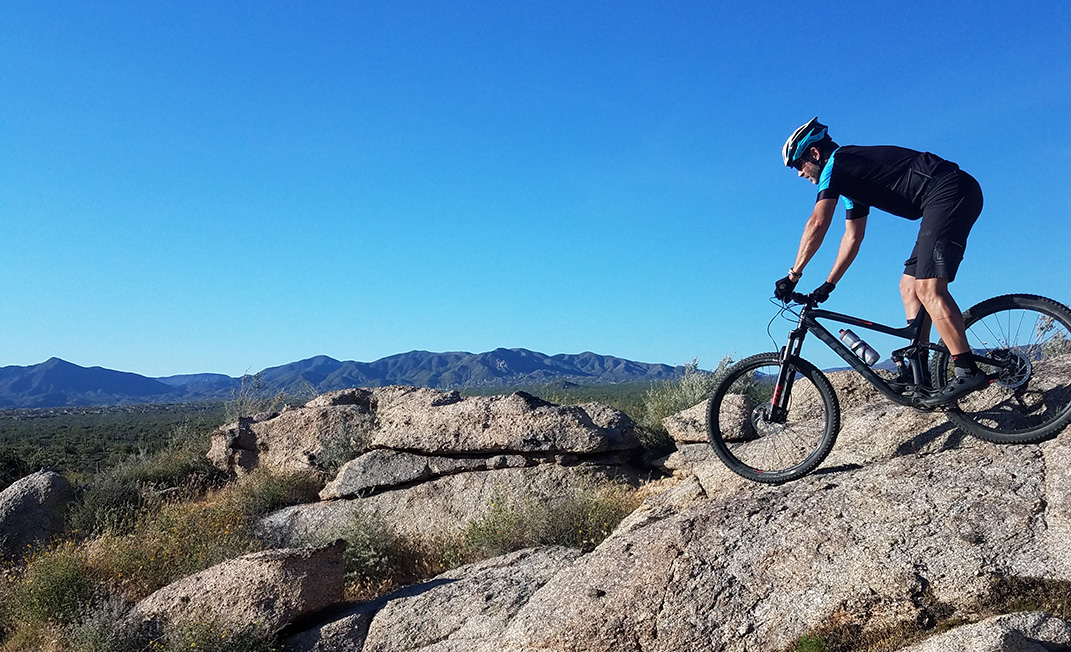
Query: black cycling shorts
(948,214)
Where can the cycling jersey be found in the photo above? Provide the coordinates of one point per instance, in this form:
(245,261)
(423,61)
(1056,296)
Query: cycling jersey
(912,185)
(894,179)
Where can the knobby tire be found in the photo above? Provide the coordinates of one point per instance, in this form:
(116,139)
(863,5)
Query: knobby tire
(1033,329)
(772,453)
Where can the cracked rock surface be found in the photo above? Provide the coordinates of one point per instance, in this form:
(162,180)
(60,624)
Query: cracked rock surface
(907,521)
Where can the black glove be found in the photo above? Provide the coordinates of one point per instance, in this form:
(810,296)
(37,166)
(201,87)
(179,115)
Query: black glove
(783,289)
(822,293)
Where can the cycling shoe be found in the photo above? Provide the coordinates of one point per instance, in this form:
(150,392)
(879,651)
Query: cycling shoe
(964,382)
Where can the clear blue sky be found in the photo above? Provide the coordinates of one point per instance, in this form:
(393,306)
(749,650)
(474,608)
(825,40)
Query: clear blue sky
(227,186)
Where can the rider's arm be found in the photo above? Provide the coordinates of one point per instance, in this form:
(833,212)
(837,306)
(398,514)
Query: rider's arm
(849,247)
(815,231)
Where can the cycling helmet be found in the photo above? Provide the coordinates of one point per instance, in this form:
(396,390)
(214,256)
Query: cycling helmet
(807,135)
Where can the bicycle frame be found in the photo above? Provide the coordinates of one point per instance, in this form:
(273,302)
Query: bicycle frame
(808,323)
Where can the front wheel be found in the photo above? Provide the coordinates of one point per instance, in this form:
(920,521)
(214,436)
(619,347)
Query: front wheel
(760,445)
(1029,398)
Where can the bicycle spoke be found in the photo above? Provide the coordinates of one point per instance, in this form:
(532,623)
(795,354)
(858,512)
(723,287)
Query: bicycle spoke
(1031,393)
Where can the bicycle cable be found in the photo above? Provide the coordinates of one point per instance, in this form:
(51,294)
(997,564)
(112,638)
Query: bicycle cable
(783,307)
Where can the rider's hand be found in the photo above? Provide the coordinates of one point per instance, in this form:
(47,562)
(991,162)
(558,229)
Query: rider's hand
(822,293)
(783,289)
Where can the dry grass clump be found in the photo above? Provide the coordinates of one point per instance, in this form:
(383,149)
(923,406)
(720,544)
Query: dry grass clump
(379,559)
(72,595)
(669,397)
(580,519)
(174,539)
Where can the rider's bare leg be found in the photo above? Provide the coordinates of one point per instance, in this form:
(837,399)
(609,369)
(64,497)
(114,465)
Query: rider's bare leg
(942,309)
(912,305)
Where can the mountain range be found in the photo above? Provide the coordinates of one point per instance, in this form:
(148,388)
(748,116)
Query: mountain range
(58,383)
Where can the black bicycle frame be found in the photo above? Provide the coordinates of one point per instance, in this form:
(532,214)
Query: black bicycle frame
(808,322)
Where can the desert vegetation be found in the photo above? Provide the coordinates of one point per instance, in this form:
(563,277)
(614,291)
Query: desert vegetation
(163,512)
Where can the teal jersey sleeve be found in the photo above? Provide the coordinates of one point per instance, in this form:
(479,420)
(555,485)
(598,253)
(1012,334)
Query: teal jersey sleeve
(826,190)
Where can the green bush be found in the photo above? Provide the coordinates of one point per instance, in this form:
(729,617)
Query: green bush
(810,644)
(56,587)
(372,547)
(103,628)
(669,397)
(581,519)
(115,496)
(13,466)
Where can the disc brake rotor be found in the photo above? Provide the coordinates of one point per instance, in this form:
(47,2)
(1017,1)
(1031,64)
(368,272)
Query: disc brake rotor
(760,420)
(1017,372)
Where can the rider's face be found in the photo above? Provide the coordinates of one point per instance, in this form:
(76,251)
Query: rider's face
(808,167)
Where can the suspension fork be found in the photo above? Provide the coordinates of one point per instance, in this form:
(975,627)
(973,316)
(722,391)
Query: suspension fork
(787,375)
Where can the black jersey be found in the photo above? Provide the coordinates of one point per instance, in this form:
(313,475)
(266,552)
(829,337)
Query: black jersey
(895,179)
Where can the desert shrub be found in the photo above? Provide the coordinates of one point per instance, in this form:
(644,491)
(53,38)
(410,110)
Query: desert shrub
(264,491)
(100,627)
(103,628)
(378,559)
(13,466)
(169,543)
(55,587)
(109,504)
(669,397)
(170,540)
(114,497)
(214,636)
(580,519)
(371,547)
(253,396)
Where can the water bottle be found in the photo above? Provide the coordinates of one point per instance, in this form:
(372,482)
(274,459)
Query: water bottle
(859,347)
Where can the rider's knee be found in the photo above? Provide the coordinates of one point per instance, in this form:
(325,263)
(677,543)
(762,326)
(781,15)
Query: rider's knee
(929,290)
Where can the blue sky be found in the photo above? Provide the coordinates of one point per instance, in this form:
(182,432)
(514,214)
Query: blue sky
(227,186)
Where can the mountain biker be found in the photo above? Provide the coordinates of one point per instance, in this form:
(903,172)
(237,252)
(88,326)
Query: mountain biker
(908,184)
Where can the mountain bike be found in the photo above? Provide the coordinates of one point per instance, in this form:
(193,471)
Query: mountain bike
(774,417)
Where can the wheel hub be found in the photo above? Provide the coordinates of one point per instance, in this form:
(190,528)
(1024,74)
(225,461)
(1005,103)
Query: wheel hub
(760,420)
(1016,371)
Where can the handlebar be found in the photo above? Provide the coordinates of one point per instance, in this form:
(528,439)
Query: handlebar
(803,299)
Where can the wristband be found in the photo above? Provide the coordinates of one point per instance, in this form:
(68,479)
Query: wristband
(792,272)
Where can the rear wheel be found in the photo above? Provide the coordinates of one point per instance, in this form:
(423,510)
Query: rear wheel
(755,443)
(1030,398)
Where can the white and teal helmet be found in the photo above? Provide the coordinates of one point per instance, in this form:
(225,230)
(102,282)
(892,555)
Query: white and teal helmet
(807,135)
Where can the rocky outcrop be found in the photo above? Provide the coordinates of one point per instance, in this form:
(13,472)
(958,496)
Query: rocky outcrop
(455,611)
(1020,632)
(32,510)
(434,461)
(287,441)
(755,567)
(272,588)
(906,522)
(427,421)
(423,421)
(442,505)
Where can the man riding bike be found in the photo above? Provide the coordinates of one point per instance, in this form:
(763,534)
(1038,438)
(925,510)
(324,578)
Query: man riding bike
(908,184)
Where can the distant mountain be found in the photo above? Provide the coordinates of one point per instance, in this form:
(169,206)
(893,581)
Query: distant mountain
(57,383)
